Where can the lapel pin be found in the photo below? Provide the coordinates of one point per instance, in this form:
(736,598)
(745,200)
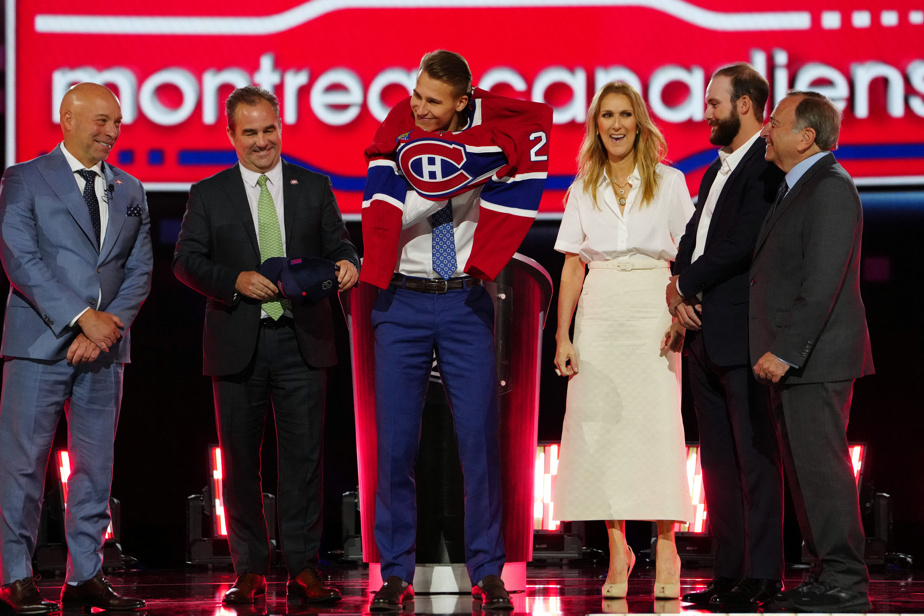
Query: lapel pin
(118,181)
(293,182)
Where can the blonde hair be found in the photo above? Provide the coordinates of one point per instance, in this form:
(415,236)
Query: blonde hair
(649,147)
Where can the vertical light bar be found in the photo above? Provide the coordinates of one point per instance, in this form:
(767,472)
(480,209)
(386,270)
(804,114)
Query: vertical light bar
(857,457)
(64,473)
(544,487)
(538,488)
(219,524)
(695,481)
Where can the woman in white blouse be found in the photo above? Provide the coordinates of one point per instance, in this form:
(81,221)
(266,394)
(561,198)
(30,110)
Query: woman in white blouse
(622,451)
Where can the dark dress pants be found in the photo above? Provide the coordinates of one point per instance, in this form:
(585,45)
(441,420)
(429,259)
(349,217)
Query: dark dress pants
(742,472)
(459,326)
(812,420)
(279,376)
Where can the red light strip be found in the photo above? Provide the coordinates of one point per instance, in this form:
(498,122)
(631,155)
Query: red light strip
(220,526)
(64,473)
(546,472)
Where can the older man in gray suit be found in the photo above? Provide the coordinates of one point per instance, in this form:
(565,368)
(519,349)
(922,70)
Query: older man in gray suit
(808,341)
(76,247)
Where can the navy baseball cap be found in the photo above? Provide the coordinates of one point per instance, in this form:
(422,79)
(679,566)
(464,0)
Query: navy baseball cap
(303,279)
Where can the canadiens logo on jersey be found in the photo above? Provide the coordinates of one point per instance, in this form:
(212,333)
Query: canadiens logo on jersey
(440,169)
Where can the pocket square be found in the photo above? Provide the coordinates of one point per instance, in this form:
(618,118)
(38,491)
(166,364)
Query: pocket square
(133,210)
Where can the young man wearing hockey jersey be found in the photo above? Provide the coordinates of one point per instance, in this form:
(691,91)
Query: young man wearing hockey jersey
(454,181)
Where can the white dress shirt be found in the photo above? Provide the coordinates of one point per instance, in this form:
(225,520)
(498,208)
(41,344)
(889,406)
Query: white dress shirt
(102,197)
(416,255)
(729,162)
(653,230)
(102,193)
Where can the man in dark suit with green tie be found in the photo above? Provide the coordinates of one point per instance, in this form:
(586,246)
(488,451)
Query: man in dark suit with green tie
(258,350)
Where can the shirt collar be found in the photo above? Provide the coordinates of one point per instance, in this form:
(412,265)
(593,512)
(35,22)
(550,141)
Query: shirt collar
(274,175)
(731,160)
(634,177)
(76,165)
(796,173)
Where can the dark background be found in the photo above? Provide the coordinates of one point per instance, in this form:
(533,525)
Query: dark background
(167,419)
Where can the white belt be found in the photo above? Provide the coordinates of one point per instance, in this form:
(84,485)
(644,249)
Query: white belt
(627,264)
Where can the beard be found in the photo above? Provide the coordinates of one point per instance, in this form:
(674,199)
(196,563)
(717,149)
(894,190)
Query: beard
(726,130)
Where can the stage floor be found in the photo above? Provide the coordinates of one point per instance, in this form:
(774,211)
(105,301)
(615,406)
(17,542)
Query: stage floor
(550,590)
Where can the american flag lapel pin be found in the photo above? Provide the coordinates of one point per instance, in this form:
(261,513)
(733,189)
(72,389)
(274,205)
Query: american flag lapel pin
(293,182)
(118,181)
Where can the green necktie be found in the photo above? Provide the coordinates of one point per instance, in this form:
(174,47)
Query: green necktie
(270,239)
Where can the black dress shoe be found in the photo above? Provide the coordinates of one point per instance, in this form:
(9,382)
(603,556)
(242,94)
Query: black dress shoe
(23,596)
(392,595)
(748,594)
(97,592)
(784,595)
(246,589)
(824,597)
(717,586)
(307,587)
(492,593)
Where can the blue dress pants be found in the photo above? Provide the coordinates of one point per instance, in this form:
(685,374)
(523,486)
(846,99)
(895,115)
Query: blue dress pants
(35,395)
(459,327)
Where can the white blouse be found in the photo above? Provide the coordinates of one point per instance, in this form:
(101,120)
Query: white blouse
(604,234)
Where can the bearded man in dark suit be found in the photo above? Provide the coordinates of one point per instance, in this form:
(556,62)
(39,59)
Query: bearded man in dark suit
(742,472)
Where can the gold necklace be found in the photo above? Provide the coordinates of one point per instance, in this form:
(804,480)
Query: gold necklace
(621,190)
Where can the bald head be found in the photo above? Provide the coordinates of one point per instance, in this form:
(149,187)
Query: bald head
(91,121)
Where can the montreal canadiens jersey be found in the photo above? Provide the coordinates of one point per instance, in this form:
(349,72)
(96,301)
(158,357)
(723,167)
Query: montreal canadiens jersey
(503,149)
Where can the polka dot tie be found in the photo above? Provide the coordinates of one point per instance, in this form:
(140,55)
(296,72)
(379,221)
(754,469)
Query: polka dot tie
(270,239)
(89,197)
(444,245)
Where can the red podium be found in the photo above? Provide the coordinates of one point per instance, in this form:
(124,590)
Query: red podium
(522,294)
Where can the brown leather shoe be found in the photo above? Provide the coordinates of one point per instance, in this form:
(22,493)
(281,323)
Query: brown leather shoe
(493,594)
(23,596)
(246,589)
(307,587)
(97,592)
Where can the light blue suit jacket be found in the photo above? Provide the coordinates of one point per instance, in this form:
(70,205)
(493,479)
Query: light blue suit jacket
(55,269)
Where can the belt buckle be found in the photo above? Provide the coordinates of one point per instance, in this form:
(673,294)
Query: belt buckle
(445,286)
(624,266)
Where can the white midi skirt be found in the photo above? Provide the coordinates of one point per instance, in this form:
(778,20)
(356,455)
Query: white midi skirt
(623,455)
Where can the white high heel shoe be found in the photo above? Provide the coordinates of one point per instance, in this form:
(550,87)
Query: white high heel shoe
(618,590)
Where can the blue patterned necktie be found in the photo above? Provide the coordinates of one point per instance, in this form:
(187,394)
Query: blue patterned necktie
(89,197)
(780,195)
(444,245)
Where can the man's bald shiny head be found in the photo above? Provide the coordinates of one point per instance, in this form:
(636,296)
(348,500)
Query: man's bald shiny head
(91,121)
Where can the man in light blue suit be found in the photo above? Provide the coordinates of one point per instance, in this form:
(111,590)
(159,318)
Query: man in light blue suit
(75,240)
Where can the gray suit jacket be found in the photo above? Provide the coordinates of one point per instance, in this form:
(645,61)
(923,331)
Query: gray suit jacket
(56,270)
(218,241)
(805,304)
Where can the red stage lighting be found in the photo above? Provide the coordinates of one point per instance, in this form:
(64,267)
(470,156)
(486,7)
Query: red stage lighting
(64,473)
(219,524)
(695,479)
(546,472)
